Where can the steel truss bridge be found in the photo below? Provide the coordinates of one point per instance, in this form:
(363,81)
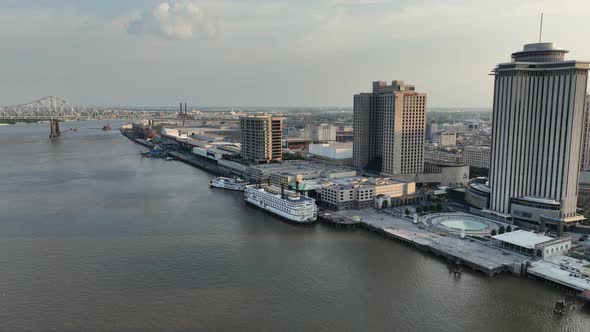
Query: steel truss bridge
(56,109)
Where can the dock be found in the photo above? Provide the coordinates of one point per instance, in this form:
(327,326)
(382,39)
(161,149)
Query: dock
(477,255)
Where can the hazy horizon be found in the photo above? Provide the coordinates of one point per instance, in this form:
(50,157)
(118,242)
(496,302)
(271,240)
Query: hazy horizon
(261,52)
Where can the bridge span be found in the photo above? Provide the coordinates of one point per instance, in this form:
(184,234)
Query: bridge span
(55,109)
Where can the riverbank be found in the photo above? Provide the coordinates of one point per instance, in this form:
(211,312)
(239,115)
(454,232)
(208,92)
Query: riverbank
(475,254)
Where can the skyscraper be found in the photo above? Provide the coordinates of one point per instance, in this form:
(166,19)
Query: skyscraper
(585,162)
(389,126)
(261,138)
(537,135)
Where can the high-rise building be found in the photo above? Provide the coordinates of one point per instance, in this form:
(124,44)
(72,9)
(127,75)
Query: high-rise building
(585,162)
(389,126)
(431,130)
(537,134)
(323,133)
(262,137)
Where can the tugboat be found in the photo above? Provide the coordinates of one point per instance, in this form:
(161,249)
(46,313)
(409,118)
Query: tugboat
(107,127)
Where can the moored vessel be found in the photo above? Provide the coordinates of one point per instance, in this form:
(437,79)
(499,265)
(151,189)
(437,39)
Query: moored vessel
(228,183)
(286,204)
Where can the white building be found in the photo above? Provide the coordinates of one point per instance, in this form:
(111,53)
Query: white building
(445,139)
(331,150)
(389,126)
(533,244)
(323,133)
(537,132)
(477,156)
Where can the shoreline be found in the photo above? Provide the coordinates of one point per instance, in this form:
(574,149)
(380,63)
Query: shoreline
(402,236)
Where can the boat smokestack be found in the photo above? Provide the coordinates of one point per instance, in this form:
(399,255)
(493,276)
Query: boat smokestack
(282,189)
(297,187)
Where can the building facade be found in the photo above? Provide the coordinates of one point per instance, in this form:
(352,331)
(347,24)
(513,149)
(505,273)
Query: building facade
(361,193)
(477,156)
(445,139)
(389,128)
(261,138)
(537,133)
(323,133)
(585,163)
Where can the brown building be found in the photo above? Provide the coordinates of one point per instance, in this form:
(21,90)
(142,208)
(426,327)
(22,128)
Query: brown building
(389,126)
(261,138)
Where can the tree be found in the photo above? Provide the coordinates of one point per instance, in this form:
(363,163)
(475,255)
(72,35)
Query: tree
(407,212)
(419,209)
(508,229)
(426,208)
(438,207)
(501,230)
(494,232)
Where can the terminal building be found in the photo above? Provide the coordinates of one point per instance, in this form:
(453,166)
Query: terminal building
(532,244)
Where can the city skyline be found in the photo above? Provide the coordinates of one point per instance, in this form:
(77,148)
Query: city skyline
(297,54)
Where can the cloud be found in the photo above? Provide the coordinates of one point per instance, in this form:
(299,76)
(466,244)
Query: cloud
(176,20)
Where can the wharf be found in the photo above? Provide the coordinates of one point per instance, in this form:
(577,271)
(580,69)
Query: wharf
(197,161)
(478,255)
(565,271)
(185,157)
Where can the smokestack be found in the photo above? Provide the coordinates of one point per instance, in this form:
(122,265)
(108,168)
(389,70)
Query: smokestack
(185,109)
(297,187)
(180,107)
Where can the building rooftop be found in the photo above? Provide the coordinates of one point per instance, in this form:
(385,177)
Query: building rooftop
(523,238)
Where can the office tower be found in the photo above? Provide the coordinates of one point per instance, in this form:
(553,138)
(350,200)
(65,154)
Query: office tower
(389,126)
(323,133)
(431,130)
(262,137)
(585,162)
(537,136)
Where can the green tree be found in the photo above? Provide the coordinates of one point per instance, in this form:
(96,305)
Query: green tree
(501,230)
(508,229)
(419,209)
(407,212)
(494,232)
(438,207)
(426,208)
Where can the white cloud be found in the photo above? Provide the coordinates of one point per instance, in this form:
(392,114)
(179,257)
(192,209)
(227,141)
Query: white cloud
(179,20)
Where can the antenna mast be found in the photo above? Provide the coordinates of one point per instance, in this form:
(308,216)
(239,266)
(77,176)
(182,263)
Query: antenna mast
(541,28)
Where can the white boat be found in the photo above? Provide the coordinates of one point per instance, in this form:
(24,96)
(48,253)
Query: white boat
(283,203)
(228,183)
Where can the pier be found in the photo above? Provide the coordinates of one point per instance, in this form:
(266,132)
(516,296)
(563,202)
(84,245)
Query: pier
(477,255)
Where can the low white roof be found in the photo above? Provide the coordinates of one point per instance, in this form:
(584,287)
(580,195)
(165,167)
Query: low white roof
(523,238)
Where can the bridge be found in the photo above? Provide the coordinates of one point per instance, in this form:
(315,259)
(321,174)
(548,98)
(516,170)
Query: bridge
(56,109)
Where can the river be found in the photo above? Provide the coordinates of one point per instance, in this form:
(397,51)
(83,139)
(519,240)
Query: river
(94,238)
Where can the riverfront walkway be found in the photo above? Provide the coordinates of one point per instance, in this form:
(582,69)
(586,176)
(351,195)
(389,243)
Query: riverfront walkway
(476,254)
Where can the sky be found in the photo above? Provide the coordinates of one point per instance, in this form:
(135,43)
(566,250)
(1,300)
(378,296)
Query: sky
(269,52)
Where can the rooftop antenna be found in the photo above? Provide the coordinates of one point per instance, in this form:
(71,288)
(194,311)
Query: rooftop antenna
(541,28)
